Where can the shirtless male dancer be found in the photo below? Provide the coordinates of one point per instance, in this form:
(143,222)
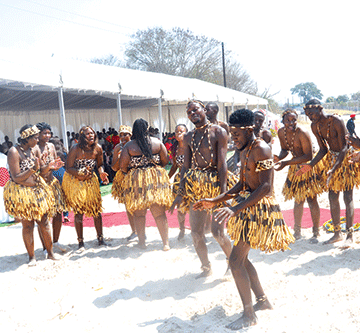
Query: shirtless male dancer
(254,220)
(259,131)
(212,110)
(203,175)
(340,175)
(297,141)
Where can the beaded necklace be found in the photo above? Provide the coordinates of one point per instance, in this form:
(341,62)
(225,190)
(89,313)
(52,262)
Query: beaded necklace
(24,152)
(291,145)
(195,148)
(245,163)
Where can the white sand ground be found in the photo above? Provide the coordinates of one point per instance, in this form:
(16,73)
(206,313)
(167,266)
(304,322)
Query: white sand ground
(119,288)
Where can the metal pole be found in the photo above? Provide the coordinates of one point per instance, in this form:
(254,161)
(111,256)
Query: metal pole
(118,105)
(62,113)
(160,115)
(223,63)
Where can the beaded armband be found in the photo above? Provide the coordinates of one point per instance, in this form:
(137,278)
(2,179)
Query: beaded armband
(264,165)
(337,228)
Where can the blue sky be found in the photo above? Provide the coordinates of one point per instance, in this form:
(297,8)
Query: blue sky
(279,43)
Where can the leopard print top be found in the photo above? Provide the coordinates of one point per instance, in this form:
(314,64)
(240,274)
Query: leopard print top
(143,161)
(264,165)
(180,160)
(85,163)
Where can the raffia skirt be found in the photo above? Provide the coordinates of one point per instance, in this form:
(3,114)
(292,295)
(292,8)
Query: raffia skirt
(202,184)
(346,177)
(29,203)
(58,196)
(262,225)
(305,186)
(82,197)
(141,188)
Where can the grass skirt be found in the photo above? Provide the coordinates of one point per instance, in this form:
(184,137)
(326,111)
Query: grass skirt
(29,203)
(58,196)
(82,197)
(262,225)
(201,184)
(346,177)
(305,186)
(141,188)
(117,189)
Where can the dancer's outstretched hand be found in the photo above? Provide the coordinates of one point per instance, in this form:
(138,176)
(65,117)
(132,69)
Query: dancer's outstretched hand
(222,215)
(203,204)
(305,168)
(176,203)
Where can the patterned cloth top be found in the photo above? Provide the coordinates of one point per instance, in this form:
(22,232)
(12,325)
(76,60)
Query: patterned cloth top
(180,160)
(4,176)
(85,163)
(143,161)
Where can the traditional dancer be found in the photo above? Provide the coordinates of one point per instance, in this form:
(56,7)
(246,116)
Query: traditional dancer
(81,185)
(212,110)
(145,183)
(259,131)
(341,176)
(178,161)
(255,220)
(309,185)
(27,197)
(203,175)
(125,136)
(49,162)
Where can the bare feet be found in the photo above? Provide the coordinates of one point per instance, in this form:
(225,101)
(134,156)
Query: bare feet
(181,234)
(141,246)
(297,235)
(53,257)
(336,238)
(206,272)
(348,241)
(262,303)
(314,240)
(242,322)
(132,236)
(32,262)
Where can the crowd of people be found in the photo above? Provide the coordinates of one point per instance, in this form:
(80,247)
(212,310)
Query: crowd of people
(237,195)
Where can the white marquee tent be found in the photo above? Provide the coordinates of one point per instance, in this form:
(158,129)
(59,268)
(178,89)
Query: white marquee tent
(69,94)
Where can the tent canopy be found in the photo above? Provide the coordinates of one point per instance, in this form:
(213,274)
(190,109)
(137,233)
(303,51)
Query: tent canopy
(34,86)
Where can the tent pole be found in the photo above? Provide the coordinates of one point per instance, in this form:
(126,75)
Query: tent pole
(62,114)
(118,105)
(160,115)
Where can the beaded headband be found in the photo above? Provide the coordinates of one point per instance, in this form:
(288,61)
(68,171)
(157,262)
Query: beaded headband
(196,101)
(287,112)
(29,132)
(241,127)
(125,129)
(310,106)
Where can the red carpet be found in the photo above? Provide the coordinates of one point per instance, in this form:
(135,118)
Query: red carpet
(112,219)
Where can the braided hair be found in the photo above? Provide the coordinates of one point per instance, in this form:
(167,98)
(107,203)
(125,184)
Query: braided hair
(141,135)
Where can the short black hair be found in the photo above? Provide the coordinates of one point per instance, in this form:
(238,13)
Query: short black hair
(242,117)
(43,126)
(313,101)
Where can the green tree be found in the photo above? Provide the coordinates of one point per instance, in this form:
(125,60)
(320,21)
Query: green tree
(307,91)
(180,52)
(330,99)
(109,60)
(356,96)
(342,99)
